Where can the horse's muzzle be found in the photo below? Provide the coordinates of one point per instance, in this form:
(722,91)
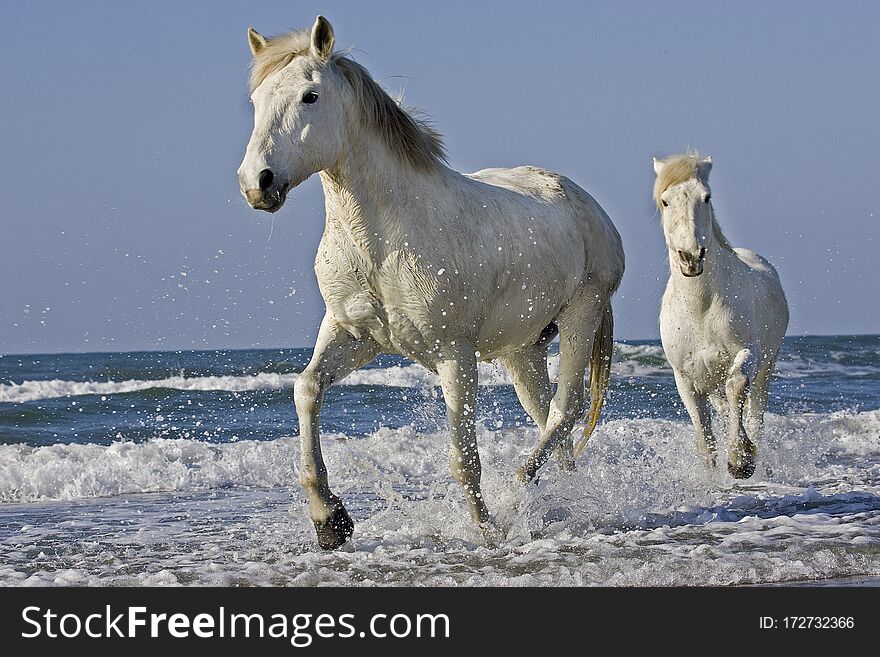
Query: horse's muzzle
(269,200)
(691,265)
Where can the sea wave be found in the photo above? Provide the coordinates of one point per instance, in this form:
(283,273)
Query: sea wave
(795,448)
(644,360)
(27,391)
(397,376)
(795,368)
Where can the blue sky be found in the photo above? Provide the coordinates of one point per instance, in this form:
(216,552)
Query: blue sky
(123,125)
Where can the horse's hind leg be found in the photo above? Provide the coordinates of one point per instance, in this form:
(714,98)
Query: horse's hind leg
(528,371)
(577,329)
(741,450)
(697,405)
(336,354)
(457,367)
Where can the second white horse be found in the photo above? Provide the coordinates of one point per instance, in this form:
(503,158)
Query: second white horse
(723,314)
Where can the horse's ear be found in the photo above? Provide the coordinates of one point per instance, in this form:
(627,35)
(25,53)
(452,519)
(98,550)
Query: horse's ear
(322,38)
(256,41)
(703,168)
(658,165)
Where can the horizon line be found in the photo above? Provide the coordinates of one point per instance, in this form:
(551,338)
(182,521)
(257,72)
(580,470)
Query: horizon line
(192,349)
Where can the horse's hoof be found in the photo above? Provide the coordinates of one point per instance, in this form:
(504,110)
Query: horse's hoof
(336,530)
(744,470)
(526,474)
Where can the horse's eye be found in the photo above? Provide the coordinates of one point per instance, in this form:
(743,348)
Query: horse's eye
(706,200)
(309,97)
(665,204)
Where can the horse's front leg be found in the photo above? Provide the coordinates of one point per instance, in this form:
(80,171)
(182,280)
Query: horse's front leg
(697,405)
(457,367)
(741,450)
(336,354)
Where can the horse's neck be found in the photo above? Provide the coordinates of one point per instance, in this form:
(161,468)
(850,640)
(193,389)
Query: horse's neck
(371,194)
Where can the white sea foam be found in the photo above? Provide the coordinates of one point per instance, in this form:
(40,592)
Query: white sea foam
(795,448)
(625,351)
(799,369)
(27,391)
(35,390)
(640,510)
(68,471)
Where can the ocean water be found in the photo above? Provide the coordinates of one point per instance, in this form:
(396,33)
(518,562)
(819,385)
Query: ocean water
(180,468)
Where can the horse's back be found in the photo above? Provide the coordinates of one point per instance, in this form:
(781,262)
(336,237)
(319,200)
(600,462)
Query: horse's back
(769,285)
(757,262)
(526,180)
(770,303)
(541,189)
(545,187)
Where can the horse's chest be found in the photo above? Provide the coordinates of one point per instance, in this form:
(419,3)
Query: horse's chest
(698,345)
(387,300)
(705,364)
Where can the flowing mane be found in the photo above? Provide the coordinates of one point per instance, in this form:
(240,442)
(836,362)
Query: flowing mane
(409,137)
(679,169)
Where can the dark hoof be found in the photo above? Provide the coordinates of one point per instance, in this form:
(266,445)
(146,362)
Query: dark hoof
(524,476)
(745,470)
(526,473)
(336,530)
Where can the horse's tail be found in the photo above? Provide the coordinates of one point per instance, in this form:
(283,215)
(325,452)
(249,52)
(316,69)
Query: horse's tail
(600,373)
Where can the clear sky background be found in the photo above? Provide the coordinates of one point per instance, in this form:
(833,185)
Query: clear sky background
(122,125)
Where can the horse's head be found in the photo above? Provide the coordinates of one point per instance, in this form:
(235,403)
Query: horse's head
(299,113)
(682,195)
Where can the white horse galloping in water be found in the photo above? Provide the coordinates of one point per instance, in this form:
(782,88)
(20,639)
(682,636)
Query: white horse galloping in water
(420,260)
(723,314)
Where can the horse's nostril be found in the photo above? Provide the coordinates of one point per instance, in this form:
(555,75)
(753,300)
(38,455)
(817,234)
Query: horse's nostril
(266,178)
(702,253)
